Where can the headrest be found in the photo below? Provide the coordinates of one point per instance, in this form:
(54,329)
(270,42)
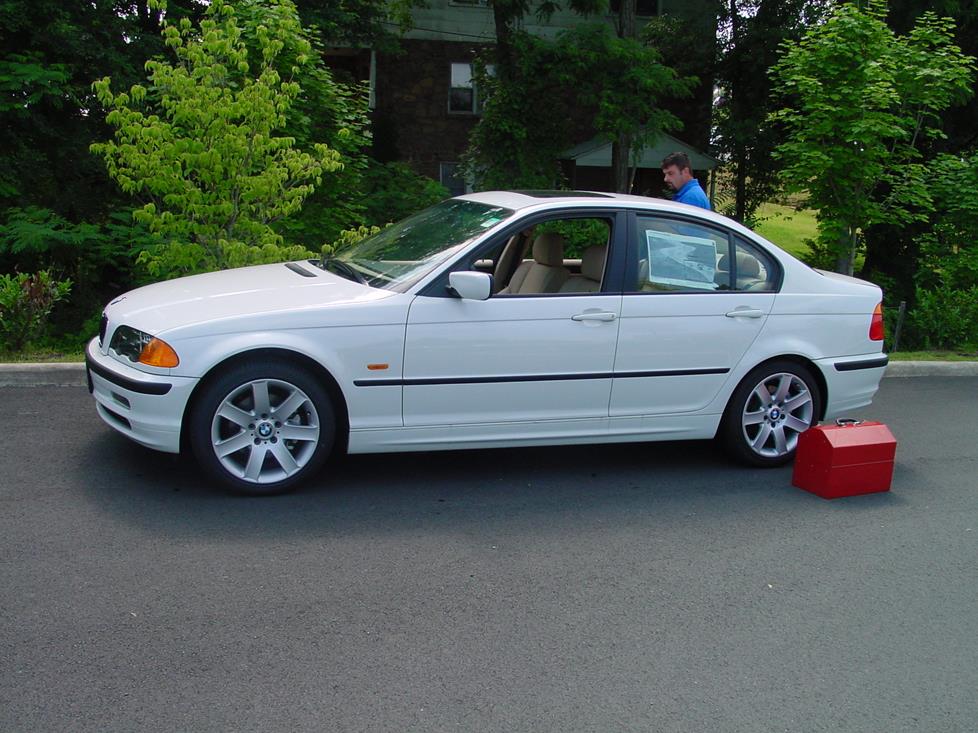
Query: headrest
(592,262)
(548,249)
(747,265)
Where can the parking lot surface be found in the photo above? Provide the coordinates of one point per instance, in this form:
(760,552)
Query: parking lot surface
(642,587)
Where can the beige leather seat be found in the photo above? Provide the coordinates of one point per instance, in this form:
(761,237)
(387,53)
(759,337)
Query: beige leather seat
(592,269)
(748,271)
(545,273)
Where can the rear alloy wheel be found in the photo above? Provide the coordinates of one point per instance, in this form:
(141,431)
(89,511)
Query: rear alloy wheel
(261,429)
(771,407)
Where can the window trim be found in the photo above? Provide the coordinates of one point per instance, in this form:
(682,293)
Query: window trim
(630,273)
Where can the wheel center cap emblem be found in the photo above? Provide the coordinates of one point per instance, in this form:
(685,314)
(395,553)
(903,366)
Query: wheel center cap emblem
(775,413)
(265,429)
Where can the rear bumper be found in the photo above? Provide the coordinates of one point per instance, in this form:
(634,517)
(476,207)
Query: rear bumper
(852,382)
(146,408)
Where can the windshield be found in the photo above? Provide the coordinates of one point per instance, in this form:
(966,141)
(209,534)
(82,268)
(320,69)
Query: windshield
(400,255)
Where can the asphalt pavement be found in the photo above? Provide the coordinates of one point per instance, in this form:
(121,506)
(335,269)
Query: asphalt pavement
(642,587)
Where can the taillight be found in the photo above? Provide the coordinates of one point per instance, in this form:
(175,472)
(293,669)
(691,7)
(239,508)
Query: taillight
(876,328)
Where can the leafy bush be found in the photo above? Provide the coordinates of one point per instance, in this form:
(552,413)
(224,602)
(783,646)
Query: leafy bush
(945,319)
(393,191)
(25,302)
(578,234)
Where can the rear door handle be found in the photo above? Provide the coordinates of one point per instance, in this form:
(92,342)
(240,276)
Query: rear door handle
(594,317)
(745,313)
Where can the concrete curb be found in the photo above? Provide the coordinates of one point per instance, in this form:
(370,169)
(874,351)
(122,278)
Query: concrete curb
(73,374)
(43,375)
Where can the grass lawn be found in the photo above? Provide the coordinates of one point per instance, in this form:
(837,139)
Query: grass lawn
(786,227)
(933,356)
(40,356)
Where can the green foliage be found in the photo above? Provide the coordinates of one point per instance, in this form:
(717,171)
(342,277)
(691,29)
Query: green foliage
(859,102)
(517,140)
(393,191)
(204,144)
(97,257)
(25,302)
(752,32)
(587,72)
(364,23)
(578,234)
(949,251)
(945,319)
(348,238)
(325,111)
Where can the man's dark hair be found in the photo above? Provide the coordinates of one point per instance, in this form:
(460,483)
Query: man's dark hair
(680,160)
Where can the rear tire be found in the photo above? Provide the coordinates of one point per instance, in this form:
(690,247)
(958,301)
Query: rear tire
(262,428)
(770,408)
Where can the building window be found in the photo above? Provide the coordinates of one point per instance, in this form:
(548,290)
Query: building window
(461,95)
(451,178)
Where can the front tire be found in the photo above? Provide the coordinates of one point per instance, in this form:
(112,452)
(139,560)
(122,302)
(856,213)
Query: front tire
(262,428)
(770,408)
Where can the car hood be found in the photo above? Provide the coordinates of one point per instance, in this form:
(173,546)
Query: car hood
(229,294)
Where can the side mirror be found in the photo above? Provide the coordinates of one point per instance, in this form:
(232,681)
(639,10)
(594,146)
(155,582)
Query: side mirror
(471,285)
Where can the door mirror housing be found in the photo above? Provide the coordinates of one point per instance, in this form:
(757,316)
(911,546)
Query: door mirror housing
(471,285)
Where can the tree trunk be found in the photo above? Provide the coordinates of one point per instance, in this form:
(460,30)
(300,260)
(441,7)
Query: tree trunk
(502,15)
(740,184)
(621,147)
(845,260)
(620,153)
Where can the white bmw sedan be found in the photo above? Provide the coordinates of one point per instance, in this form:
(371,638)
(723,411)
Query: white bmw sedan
(493,319)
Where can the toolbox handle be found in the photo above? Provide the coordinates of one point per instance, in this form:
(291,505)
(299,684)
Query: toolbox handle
(842,421)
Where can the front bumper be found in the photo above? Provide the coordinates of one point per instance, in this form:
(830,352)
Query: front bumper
(146,408)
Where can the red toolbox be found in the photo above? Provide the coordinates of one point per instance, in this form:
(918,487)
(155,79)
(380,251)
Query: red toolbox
(845,459)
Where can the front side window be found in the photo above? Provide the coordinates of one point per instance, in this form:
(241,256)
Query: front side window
(565,256)
(674,255)
(403,253)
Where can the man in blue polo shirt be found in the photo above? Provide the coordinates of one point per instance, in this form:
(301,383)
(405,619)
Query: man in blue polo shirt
(679,177)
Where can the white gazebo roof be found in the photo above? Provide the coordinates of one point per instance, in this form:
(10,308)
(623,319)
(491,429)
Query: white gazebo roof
(596,153)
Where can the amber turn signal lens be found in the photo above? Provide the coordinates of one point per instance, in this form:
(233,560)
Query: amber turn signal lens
(876,329)
(159,354)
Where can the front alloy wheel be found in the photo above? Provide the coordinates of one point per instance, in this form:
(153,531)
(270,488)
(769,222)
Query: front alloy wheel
(260,430)
(768,411)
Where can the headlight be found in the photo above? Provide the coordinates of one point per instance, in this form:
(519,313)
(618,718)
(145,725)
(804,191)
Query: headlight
(138,346)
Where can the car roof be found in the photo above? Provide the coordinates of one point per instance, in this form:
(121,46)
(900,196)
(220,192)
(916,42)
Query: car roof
(517,200)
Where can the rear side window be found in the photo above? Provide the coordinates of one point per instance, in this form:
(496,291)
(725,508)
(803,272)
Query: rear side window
(675,255)
(755,269)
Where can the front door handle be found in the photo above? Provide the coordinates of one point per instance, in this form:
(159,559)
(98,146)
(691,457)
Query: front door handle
(746,313)
(604,316)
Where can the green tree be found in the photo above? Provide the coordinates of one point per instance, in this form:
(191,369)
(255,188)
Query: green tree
(204,142)
(859,103)
(586,73)
(750,43)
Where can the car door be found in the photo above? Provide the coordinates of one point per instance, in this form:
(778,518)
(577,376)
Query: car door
(696,297)
(514,358)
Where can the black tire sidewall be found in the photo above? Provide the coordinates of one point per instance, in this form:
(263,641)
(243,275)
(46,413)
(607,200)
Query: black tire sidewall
(221,385)
(731,430)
